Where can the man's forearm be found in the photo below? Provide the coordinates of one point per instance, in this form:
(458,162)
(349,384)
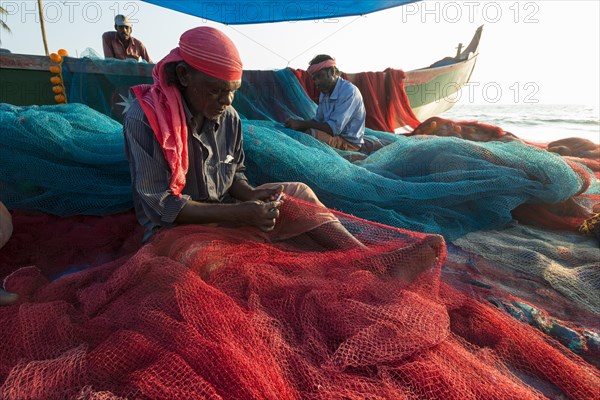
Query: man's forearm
(240,189)
(206,213)
(259,214)
(322,126)
(303,125)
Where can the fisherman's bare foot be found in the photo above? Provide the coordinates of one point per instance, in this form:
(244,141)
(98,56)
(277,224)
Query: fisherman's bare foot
(7,298)
(416,258)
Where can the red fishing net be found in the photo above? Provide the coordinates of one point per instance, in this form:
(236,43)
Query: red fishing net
(574,148)
(469,130)
(207,312)
(58,244)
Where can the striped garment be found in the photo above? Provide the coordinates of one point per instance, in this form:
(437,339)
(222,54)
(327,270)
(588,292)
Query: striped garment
(216,160)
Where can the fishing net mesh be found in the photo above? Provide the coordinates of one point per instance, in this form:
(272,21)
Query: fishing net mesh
(273,96)
(69,160)
(527,298)
(205,312)
(63,160)
(436,185)
(103,84)
(568,263)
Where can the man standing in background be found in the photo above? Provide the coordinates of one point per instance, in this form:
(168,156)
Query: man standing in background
(121,45)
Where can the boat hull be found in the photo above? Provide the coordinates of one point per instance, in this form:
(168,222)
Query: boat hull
(432,91)
(102,85)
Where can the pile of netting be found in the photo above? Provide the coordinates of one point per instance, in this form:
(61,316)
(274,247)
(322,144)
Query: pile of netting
(577,212)
(435,185)
(205,312)
(546,279)
(573,149)
(567,262)
(103,84)
(69,160)
(212,312)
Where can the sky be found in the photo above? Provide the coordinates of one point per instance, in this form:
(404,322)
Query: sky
(540,52)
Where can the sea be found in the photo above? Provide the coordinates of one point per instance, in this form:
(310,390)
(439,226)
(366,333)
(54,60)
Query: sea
(540,123)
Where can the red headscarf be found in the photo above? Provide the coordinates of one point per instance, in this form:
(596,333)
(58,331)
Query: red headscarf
(206,49)
(313,69)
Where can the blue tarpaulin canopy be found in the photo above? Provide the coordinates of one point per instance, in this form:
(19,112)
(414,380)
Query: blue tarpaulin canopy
(264,11)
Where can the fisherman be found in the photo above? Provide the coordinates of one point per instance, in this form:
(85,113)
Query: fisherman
(121,45)
(183,140)
(184,144)
(340,118)
(6,229)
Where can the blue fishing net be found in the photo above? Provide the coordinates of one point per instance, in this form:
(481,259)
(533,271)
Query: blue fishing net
(103,84)
(427,184)
(68,160)
(273,96)
(63,160)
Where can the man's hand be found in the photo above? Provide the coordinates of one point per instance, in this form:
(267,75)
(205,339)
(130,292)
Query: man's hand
(262,215)
(266,194)
(295,124)
(262,209)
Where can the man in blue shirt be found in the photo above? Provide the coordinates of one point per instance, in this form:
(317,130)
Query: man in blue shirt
(340,119)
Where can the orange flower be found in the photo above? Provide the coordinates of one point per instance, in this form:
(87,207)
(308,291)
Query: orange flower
(59,98)
(63,53)
(57,89)
(55,80)
(55,69)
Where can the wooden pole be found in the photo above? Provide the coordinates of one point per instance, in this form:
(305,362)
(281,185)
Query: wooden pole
(43,26)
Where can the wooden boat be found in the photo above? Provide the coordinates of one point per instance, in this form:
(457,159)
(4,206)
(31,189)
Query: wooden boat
(432,90)
(103,84)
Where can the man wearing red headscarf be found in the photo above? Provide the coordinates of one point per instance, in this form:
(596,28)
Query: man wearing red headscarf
(341,115)
(184,144)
